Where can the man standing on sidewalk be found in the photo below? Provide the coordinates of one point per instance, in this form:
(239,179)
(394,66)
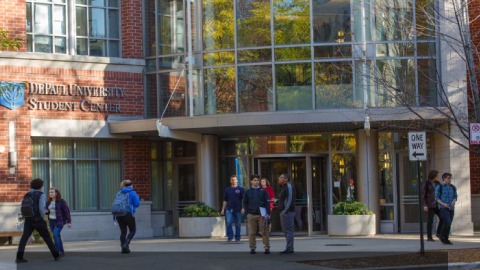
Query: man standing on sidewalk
(430,204)
(254,198)
(232,208)
(286,204)
(446,197)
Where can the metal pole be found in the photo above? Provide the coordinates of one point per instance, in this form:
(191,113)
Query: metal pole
(422,247)
(190,55)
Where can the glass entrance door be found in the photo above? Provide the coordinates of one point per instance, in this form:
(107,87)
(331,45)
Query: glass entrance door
(409,211)
(319,194)
(184,188)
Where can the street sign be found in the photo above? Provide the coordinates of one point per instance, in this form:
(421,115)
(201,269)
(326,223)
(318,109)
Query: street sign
(417,146)
(474,133)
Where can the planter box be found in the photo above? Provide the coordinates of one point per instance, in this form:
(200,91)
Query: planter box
(202,227)
(356,225)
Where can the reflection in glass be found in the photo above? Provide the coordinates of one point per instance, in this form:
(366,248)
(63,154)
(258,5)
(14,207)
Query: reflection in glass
(426,49)
(81,21)
(82,48)
(167,83)
(113,23)
(97,47)
(293,86)
(253,23)
(233,146)
(149,24)
(60,45)
(396,83)
(184,149)
(291,21)
(220,90)
(43,44)
(308,143)
(233,166)
(394,19)
(219,58)
(170,28)
(255,88)
(364,80)
(333,85)
(396,49)
(150,65)
(268,145)
(385,166)
(97,22)
(218,32)
(336,51)
(384,141)
(197,93)
(293,53)
(29,17)
(98,3)
(29,43)
(43,17)
(344,142)
(343,170)
(331,21)
(400,140)
(59,20)
(252,56)
(386,213)
(427,82)
(174,62)
(425,19)
(151,93)
(363,13)
(114,48)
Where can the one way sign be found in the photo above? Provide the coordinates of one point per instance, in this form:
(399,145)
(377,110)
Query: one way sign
(417,146)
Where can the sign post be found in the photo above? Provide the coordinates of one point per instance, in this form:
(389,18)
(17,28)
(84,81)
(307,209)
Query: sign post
(417,150)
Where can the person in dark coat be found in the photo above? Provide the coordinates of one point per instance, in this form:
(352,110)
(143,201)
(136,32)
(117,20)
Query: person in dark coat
(430,205)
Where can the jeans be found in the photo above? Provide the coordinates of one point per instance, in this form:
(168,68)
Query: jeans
(447,216)
(253,222)
(124,222)
(287,227)
(229,216)
(56,234)
(41,227)
(431,214)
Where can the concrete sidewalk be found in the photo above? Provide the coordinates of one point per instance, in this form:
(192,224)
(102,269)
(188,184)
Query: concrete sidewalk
(218,254)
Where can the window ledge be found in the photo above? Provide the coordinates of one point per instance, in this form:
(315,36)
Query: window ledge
(72,58)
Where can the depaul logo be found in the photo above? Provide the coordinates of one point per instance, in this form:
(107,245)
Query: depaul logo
(12,94)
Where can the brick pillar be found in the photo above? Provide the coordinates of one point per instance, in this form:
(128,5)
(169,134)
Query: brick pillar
(136,153)
(132,44)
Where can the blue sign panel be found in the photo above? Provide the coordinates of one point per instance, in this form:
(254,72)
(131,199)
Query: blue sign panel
(13,94)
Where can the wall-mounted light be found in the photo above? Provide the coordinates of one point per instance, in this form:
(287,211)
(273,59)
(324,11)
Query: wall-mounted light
(12,154)
(2,149)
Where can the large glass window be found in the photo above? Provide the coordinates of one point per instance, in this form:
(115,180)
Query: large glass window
(218,31)
(294,86)
(172,93)
(98,27)
(396,82)
(47,26)
(333,85)
(394,19)
(255,88)
(253,23)
(220,90)
(331,21)
(88,177)
(291,21)
(170,27)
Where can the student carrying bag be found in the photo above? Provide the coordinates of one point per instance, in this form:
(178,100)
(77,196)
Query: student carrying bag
(121,204)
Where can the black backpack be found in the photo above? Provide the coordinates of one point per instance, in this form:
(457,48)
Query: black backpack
(30,204)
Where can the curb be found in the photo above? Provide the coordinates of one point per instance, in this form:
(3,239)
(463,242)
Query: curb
(475,265)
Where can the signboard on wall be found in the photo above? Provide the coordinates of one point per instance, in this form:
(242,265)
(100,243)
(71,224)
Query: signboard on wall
(474,133)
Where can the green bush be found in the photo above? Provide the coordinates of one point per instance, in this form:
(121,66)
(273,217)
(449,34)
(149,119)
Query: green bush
(351,208)
(200,210)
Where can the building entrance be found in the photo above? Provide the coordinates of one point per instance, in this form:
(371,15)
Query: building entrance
(184,188)
(309,176)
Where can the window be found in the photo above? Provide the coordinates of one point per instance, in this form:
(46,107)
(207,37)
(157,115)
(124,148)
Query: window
(87,172)
(46,26)
(98,27)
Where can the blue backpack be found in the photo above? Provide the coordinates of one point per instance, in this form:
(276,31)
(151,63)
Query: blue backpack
(121,204)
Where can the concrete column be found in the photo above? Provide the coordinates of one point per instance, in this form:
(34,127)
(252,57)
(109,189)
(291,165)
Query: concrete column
(367,186)
(207,166)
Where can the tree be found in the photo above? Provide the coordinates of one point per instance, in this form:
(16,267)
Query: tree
(9,43)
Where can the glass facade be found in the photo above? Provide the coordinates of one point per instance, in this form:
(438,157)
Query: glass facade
(295,55)
(87,172)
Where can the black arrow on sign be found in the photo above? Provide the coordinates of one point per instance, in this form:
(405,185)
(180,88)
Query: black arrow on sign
(415,154)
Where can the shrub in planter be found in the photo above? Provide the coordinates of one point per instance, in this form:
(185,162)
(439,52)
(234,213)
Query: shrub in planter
(351,208)
(351,218)
(200,210)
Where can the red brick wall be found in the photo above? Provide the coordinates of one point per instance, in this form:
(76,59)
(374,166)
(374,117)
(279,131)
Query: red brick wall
(474,172)
(474,12)
(12,186)
(13,18)
(136,155)
(132,45)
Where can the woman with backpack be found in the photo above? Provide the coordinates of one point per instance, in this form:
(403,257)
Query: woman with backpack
(123,208)
(58,215)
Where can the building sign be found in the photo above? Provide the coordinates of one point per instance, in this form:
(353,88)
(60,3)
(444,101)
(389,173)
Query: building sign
(13,94)
(417,146)
(474,133)
(72,90)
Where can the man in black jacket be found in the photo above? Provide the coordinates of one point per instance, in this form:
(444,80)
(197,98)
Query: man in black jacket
(254,198)
(286,204)
(430,205)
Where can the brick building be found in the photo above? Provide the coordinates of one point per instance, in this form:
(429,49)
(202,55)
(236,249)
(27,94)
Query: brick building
(101,92)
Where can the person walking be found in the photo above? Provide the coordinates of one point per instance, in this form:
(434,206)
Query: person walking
(286,204)
(254,199)
(429,203)
(58,215)
(126,221)
(33,212)
(446,197)
(266,185)
(232,208)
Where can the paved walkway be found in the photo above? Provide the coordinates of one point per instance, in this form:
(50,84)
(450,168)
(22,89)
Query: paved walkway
(218,254)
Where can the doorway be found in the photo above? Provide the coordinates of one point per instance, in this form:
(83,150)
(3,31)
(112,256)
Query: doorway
(408,188)
(184,188)
(309,178)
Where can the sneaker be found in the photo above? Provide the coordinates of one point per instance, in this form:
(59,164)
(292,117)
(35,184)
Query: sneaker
(237,240)
(252,251)
(21,261)
(448,242)
(57,258)
(439,236)
(430,240)
(287,251)
(267,251)
(229,240)
(125,250)
(61,254)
